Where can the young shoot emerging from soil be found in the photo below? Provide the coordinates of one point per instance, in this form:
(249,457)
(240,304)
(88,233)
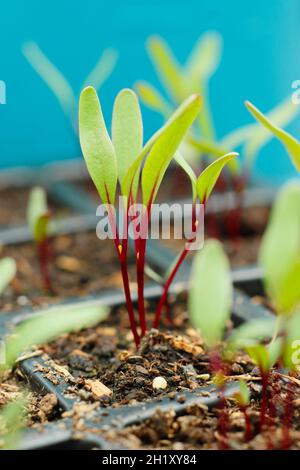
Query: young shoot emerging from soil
(115,164)
(276,340)
(210,301)
(38,217)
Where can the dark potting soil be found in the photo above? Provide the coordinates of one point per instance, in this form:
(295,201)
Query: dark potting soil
(107,354)
(14,204)
(220,428)
(81,264)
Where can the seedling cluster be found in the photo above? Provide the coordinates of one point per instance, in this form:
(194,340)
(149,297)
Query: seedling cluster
(116,162)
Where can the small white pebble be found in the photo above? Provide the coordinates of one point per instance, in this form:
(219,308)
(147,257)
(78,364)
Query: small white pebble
(159,383)
(22,300)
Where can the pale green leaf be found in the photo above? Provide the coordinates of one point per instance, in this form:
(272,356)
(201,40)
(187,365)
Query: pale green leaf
(53,78)
(235,138)
(49,325)
(291,354)
(210,295)
(134,168)
(127,131)
(203,61)
(280,247)
(38,214)
(97,148)
(167,68)
(102,69)
(279,116)
(151,97)
(211,148)
(186,167)
(252,332)
(166,146)
(265,356)
(289,293)
(12,420)
(291,144)
(8,269)
(210,175)
(244,393)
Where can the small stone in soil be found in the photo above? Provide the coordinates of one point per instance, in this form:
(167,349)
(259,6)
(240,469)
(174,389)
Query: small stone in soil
(159,383)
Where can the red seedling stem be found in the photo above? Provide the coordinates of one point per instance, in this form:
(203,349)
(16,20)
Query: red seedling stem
(218,368)
(167,285)
(173,273)
(248,429)
(122,255)
(44,257)
(288,416)
(140,273)
(264,398)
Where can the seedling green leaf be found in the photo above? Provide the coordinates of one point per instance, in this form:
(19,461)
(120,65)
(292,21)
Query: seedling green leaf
(184,165)
(243,395)
(203,61)
(166,146)
(97,148)
(252,332)
(127,131)
(291,354)
(38,214)
(102,69)
(265,356)
(210,175)
(210,297)
(279,116)
(151,97)
(291,144)
(51,76)
(8,269)
(280,251)
(47,326)
(12,420)
(167,68)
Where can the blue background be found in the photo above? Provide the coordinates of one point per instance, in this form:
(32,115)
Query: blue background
(261,59)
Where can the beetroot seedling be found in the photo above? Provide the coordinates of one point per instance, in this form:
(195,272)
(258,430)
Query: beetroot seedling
(8,269)
(38,216)
(243,400)
(210,301)
(115,164)
(59,85)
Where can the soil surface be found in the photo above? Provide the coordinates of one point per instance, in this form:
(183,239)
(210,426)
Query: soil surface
(80,264)
(107,370)
(103,368)
(220,428)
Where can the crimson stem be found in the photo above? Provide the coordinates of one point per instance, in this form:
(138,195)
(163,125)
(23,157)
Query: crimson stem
(122,255)
(44,255)
(174,271)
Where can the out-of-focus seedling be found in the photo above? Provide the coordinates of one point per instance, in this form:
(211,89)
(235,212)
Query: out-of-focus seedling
(243,399)
(194,77)
(59,85)
(275,340)
(38,216)
(210,301)
(8,269)
(291,144)
(12,421)
(210,295)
